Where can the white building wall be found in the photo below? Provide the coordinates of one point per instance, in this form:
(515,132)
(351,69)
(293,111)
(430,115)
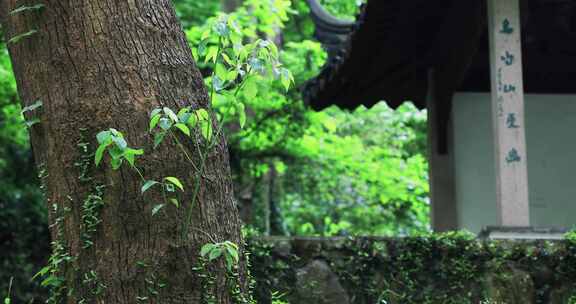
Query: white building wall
(551,144)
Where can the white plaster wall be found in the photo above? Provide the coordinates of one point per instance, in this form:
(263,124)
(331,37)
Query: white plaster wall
(551,144)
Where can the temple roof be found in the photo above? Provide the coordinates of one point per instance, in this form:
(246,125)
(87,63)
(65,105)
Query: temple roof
(387,53)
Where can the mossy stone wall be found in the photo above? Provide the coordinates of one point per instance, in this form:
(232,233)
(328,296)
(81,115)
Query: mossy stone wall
(448,268)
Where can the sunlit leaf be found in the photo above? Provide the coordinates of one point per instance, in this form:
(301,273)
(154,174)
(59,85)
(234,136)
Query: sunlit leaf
(175,181)
(148,184)
(157,208)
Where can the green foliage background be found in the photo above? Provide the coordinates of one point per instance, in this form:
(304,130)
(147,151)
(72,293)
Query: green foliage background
(334,172)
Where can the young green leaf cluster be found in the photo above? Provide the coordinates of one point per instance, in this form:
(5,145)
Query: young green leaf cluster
(113,141)
(226,250)
(237,68)
(166,120)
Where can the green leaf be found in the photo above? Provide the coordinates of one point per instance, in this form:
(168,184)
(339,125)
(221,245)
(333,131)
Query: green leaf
(148,184)
(129,158)
(205,123)
(120,142)
(103,137)
(116,163)
(115,132)
(155,112)
(227,59)
(115,152)
(232,250)
(206,249)
(182,127)
(134,151)
(192,121)
(30,123)
(171,114)
(212,54)
(175,202)
(130,153)
(19,37)
(206,130)
(42,272)
(154,121)
(158,138)
(165,123)
(232,75)
(99,154)
(32,107)
(157,208)
(205,34)
(241,114)
(229,262)
(250,89)
(215,253)
(221,71)
(7,301)
(202,114)
(182,113)
(175,181)
(24,8)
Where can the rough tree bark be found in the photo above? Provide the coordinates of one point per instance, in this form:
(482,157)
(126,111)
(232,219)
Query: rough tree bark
(97,64)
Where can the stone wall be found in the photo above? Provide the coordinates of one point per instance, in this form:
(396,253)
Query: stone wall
(448,268)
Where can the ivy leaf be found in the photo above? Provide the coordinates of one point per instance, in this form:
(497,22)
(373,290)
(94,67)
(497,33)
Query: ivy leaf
(157,208)
(32,107)
(30,123)
(175,181)
(19,37)
(148,184)
(24,8)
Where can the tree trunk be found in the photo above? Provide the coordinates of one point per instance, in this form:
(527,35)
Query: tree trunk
(99,64)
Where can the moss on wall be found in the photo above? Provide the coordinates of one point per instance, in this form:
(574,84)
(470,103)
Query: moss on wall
(447,268)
